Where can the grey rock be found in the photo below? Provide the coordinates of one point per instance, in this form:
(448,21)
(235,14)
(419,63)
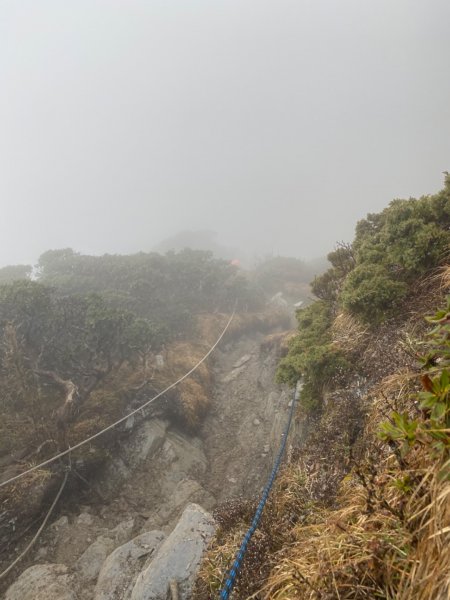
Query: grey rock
(185,492)
(278,300)
(120,570)
(122,532)
(190,455)
(159,362)
(92,559)
(43,582)
(233,375)
(256,422)
(242,361)
(41,553)
(178,557)
(147,439)
(129,423)
(168,451)
(84,519)
(60,523)
(150,437)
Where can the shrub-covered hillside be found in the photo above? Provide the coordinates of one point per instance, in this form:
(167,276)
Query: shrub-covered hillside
(369,281)
(362,509)
(169,289)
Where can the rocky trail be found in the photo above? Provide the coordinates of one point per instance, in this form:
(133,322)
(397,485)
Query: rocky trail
(144,522)
(243,429)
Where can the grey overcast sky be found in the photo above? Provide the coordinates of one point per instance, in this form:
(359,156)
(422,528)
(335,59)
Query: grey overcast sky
(276,123)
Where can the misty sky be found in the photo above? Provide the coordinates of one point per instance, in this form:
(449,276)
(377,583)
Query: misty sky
(275,123)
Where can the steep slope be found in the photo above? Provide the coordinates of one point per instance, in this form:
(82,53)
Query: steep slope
(158,469)
(362,510)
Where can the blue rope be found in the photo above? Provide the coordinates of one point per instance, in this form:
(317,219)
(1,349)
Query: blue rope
(233,572)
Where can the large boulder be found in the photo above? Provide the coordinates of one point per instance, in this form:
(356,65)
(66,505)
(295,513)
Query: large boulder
(178,557)
(121,568)
(43,582)
(147,439)
(185,492)
(92,559)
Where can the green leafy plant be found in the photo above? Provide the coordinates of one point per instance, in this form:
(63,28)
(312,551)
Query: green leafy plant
(432,429)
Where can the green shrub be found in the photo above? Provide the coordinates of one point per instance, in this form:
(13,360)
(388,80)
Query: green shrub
(408,237)
(371,293)
(326,286)
(311,355)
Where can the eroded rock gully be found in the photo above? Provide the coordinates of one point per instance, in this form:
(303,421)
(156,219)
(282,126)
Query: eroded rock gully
(153,524)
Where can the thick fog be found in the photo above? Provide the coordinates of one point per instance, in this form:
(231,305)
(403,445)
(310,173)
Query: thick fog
(276,124)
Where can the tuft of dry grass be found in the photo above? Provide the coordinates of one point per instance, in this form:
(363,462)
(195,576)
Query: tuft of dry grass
(192,398)
(445,277)
(182,356)
(288,505)
(280,341)
(193,403)
(348,333)
(394,392)
(439,278)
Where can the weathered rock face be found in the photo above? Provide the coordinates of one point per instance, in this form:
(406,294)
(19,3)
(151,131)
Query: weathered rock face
(84,542)
(43,582)
(146,440)
(243,429)
(120,570)
(92,559)
(178,557)
(185,492)
(90,562)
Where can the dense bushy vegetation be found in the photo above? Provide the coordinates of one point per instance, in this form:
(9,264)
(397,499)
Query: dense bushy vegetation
(368,279)
(312,354)
(391,249)
(14,272)
(69,343)
(167,289)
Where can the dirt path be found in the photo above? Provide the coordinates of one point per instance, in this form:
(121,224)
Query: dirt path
(241,432)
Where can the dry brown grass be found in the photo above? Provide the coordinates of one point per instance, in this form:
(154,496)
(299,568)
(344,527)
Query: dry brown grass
(394,392)
(182,356)
(390,538)
(287,505)
(387,549)
(193,396)
(348,333)
(440,278)
(193,403)
(280,341)
(445,277)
